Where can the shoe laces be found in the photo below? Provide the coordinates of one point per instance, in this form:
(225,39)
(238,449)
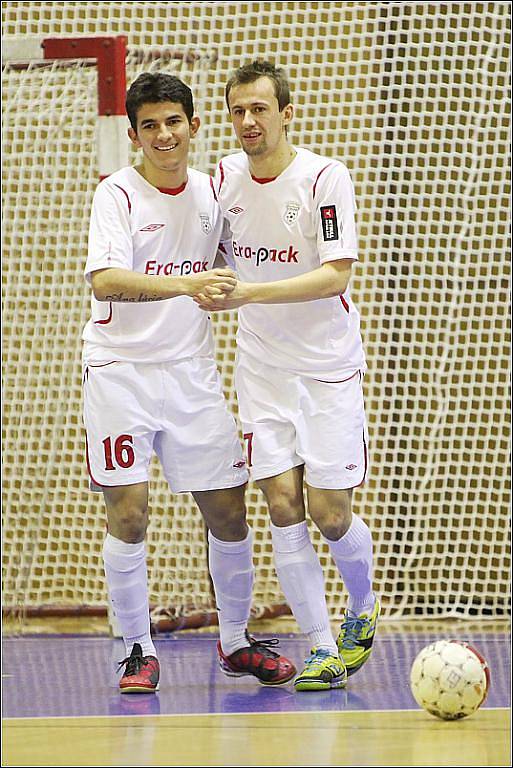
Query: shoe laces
(317,657)
(134,662)
(263,646)
(352,627)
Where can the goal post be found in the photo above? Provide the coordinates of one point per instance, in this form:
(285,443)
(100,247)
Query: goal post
(108,54)
(413,97)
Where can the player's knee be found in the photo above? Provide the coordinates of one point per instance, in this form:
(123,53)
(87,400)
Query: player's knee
(128,523)
(285,508)
(230,525)
(224,512)
(333,518)
(332,524)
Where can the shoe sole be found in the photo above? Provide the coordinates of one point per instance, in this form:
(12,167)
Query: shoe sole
(231,673)
(136,689)
(317,685)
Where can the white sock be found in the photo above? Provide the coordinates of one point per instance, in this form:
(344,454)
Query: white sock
(353,557)
(302,581)
(127,583)
(231,569)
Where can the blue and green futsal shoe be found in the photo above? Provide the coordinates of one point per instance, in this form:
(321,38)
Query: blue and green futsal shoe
(322,671)
(356,637)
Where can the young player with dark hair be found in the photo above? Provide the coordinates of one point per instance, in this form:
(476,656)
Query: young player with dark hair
(151,382)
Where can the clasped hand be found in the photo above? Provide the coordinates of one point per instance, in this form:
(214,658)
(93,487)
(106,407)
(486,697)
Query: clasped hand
(214,284)
(225,292)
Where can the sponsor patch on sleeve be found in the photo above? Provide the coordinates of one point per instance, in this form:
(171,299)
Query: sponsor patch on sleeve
(329,222)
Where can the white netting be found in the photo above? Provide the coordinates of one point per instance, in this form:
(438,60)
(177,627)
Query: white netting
(413,97)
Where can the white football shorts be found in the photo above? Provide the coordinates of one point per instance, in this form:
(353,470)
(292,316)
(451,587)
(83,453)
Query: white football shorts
(176,410)
(290,420)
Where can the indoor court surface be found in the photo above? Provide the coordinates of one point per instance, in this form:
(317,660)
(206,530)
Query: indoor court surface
(62,707)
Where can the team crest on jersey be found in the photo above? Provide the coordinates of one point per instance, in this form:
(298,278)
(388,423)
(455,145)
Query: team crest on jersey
(291,213)
(206,226)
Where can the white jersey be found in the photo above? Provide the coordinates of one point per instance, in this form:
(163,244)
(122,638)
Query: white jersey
(285,227)
(139,227)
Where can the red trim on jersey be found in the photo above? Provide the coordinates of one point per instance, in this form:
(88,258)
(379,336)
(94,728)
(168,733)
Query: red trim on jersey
(212,187)
(108,319)
(221,173)
(338,382)
(318,177)
(127,198)
(174,191)
(263,181)
(101,365)
(344,303)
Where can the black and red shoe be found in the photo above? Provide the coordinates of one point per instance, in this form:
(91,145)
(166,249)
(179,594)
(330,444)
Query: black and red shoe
(141,674)
(258,660)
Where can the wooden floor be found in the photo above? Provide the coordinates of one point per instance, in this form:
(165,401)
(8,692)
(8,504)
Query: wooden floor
(411,738)
(356,735)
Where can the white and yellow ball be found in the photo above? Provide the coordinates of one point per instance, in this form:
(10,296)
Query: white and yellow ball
(449,679)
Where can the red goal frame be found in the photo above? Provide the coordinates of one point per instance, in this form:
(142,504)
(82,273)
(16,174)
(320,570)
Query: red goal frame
(108,55)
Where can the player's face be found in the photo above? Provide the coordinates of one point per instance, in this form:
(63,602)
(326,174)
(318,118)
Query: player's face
(164,134)
(258,123)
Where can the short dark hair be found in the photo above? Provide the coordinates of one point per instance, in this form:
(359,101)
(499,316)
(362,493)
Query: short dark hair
(156,87)
(260,68)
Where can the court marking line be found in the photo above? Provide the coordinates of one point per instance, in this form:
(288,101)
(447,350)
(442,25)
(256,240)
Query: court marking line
(238,714)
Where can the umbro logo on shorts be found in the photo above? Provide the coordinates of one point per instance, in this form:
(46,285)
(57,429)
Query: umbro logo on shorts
(236,210)
(239,464)
(151,227)
(352,466)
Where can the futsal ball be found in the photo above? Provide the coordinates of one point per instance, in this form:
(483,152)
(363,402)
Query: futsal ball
(449,679)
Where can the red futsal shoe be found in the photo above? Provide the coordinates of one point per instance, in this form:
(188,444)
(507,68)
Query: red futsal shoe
(141,674)
(257,660)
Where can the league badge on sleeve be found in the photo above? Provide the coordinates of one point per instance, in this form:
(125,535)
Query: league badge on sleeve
(329,222)
(291,213)
(206,226)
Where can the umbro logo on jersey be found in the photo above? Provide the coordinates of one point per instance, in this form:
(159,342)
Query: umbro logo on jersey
(239,464)
(235,210)
(151,227)
(351,466)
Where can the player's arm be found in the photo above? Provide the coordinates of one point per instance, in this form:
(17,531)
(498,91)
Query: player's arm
(330,279)
(115,284)
(224,256)
(336,245)
(109,268)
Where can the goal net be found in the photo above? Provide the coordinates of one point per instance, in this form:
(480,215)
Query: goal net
(413,98)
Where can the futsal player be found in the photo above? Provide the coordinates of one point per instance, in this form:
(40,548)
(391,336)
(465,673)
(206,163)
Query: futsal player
(151,383)
(300,362)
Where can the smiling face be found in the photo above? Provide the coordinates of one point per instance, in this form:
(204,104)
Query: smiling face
(164,134)
(258,123)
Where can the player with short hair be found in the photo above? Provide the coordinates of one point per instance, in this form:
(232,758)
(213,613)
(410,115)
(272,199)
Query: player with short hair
(300,362)
(151,383)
